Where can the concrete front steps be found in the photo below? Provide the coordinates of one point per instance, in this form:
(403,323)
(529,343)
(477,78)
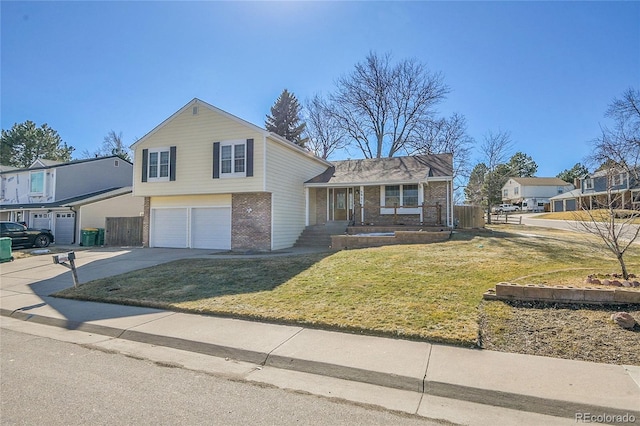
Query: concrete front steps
(320,235)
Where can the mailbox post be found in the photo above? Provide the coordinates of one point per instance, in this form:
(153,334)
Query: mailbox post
(62,259)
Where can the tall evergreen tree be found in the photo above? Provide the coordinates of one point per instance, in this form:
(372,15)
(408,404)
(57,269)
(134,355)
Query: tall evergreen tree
(579,170)
(285,118)
(522,165)
(26,143)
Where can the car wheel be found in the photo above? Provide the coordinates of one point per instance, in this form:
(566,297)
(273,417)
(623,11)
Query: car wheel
(41,241)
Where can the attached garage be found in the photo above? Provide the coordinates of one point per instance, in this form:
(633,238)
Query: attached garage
(211,228)
(191,227)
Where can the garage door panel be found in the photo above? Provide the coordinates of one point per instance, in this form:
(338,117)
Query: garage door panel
(64,226)
(169,228)
(211,228)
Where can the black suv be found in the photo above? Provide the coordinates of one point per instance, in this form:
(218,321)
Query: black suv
(21,236)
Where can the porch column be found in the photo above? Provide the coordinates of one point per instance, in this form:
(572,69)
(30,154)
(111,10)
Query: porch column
(361,204)
(421,201)
(306,206)
(328,197)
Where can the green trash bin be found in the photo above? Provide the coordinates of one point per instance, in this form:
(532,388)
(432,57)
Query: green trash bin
(100,237)
(88,237)
(5,250)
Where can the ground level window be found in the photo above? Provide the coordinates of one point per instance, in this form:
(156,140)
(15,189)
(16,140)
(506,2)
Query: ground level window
(392,195)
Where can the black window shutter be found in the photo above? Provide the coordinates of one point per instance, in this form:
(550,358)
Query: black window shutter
(145,164)
(249,157)
(172,163)
(216,160)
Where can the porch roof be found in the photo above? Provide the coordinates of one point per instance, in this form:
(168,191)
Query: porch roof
(416,168)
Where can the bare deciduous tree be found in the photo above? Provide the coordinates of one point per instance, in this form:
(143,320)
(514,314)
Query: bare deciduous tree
(447,135)
(495,148)
(612,214)
(621,142)
(112,144)
(323,134)
(381,106)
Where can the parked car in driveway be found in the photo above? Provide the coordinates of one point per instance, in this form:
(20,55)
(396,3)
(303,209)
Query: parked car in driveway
(21,236)
(504,208)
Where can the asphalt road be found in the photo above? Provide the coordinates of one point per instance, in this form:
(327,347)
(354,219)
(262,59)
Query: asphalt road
(45,381)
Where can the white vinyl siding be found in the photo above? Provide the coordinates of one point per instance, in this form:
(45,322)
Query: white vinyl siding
(286,173)
(193,137)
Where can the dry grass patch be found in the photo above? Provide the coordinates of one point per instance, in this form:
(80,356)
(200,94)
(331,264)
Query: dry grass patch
(429,292)
(580,215)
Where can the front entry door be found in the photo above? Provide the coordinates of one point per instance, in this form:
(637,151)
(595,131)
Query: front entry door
(340,204)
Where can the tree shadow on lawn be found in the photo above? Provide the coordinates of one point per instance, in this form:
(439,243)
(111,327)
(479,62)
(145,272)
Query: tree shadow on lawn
(195,279)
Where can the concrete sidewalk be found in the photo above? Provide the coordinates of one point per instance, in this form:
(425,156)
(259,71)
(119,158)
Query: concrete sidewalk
(534,384)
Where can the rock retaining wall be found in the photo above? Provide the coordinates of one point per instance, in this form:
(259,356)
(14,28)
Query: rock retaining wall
(562,294)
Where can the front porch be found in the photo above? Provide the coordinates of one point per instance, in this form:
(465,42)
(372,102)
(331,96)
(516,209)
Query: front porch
(382,205)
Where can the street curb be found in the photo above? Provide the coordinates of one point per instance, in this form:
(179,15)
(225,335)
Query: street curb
(533,404)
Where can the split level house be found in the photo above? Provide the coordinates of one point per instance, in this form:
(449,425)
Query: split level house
(66,197)
(533,194)
(595,190)
(212,180)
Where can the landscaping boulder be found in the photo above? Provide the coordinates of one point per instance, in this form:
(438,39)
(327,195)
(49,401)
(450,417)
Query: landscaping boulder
(624,320)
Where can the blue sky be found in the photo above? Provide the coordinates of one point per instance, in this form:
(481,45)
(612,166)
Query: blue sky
(544,71)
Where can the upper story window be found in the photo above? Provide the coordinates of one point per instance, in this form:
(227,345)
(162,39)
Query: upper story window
(516,190)
(233,158)
(159,164)
(505,193)
(588,183)
(36,185)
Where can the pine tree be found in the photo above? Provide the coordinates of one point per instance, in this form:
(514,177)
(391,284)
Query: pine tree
(285,118)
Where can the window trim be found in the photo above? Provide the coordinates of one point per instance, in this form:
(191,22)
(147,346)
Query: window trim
(171,164)
(401,208)
(158,164)
(588,184)
(232,159)
(247,161)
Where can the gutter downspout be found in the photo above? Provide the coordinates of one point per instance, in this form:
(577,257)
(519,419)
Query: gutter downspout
(75,224)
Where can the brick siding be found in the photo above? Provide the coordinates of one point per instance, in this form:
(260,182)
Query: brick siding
(146,222)
(251,221)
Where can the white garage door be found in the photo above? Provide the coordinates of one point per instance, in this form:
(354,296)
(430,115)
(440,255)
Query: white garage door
(64,227)
(169,228)
(211,228)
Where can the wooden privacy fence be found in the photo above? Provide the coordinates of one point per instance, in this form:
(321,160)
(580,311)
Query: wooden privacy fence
(123,231)
(469,216)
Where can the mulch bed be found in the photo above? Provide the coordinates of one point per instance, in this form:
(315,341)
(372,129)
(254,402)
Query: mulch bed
(576,332)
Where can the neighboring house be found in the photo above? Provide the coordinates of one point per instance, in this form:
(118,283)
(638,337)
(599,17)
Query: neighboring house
(212,180)
(593,190)
(66,197)
(533,193)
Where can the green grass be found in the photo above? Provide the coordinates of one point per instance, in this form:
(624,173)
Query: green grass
(429,292)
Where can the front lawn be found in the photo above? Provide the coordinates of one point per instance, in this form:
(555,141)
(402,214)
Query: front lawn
(429,292)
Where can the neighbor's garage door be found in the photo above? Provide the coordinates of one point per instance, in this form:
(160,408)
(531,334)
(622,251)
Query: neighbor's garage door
(169,228)
(64,226)
(211,228)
